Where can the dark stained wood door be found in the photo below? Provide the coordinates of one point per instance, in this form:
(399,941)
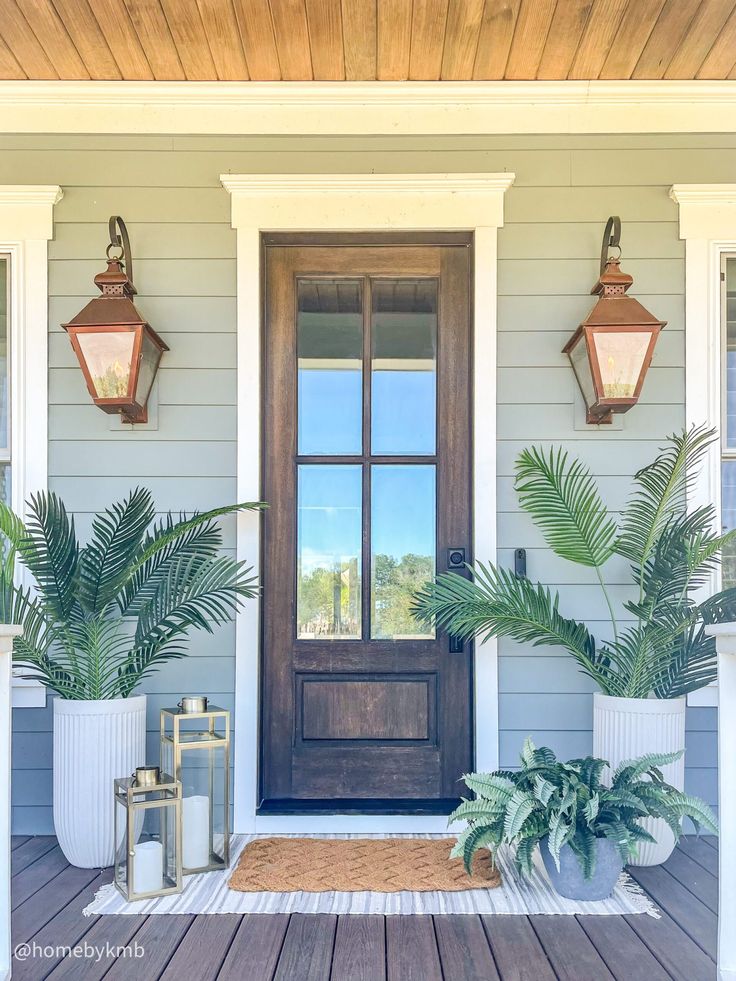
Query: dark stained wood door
(367,473)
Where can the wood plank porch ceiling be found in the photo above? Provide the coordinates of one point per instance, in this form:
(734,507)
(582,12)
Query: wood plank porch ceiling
(362,40)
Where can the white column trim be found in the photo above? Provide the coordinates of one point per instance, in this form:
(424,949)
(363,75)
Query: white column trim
(26,225)
(7,633)
(708,226)
(725,635)
(362,202)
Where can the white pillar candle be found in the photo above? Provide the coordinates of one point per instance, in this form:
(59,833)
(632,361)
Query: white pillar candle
(148,872)
(195,821)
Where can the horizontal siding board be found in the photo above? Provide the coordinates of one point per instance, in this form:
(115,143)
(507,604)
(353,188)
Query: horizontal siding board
(214,423)
(170,493)
(153,277)
(642,167)
(208,350)
(149,241)
(582,240)
(555,422)
(524,675)
(132,459)
(166,314)
(573,276)
(144,204)
(537,312)
(594,204)
(545,351)
(196,386)
(548,386)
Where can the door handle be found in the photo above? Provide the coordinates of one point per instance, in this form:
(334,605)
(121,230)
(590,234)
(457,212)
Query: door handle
(455,563)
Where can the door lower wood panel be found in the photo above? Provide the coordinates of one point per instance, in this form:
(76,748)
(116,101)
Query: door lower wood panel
(367,473)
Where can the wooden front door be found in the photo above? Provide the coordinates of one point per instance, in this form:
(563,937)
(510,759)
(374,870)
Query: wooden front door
(367,455)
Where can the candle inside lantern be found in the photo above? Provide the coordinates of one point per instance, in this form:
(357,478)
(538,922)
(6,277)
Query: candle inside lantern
(195,832)
(148,860)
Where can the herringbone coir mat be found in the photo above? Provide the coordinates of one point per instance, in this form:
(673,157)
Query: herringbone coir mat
(358,865)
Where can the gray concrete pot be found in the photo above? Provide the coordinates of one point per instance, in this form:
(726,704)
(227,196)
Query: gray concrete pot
(570,882)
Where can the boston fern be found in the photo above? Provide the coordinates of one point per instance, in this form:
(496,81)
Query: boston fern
(102,616)
(568,803)
(658,644)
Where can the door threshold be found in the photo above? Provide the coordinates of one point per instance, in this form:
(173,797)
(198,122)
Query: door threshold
(441,807)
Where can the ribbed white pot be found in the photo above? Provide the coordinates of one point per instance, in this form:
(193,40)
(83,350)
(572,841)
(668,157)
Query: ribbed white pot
(94,742)
(624,728)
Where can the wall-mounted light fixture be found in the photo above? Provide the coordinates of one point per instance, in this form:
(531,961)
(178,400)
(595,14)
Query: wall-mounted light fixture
(118,351)
(612,349)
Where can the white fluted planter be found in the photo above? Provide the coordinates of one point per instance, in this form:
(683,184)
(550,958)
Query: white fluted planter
(94,742)
(624,728)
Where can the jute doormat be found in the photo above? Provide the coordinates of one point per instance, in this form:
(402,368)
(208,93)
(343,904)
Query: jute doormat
(358,865)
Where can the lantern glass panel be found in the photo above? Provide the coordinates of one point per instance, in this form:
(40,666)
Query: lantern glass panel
(109,356)
(621,357)
(147,860)
(197,748)
(581,366)
(150,357)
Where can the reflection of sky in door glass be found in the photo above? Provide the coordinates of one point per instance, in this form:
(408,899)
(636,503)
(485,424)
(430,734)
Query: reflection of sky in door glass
(402,546)
(329,540)
(330,353)
(404,365)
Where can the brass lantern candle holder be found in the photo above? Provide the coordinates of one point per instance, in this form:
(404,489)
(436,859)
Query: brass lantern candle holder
(612,349)
(195,744)
(148,834)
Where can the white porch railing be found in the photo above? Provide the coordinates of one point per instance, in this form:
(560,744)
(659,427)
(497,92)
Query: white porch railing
(7,632)
(725,635)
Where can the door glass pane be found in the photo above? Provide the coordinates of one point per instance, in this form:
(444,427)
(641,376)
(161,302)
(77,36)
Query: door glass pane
(330,352)
(4,325)
(329,537)
(404,366)
(402,547)
(728,520)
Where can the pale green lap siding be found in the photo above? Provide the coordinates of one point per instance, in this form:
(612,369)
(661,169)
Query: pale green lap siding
(168,191)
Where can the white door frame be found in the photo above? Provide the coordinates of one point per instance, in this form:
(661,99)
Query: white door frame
(358,202)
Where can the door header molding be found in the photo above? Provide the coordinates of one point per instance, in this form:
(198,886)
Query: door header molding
(358,202)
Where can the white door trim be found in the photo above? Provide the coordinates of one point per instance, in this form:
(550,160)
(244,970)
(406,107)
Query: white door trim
(708,226)
(358,202)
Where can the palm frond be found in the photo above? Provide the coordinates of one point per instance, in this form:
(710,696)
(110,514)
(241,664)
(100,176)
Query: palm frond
(106,561)
(50,551)
(662,491)
(563,499)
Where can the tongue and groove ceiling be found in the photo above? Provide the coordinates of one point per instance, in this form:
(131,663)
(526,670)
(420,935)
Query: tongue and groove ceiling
(364,40)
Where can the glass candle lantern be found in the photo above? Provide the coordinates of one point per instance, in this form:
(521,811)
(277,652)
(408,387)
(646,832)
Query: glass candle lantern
(148,834)
(195,745)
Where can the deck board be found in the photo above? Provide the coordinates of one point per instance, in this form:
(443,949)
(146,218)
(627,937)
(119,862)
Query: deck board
(308,946)
(569,948)
(411,949)
(49,896)
(626,956)
(360,949)
(464,951)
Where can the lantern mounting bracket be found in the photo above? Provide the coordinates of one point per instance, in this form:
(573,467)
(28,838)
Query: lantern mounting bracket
(122,242)
(611,240)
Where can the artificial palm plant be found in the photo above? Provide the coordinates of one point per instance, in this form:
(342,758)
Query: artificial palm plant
(657,644)
(567,804)
(102,616)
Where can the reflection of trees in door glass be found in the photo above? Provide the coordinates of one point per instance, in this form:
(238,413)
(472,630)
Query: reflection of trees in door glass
(329,601)
(395,582)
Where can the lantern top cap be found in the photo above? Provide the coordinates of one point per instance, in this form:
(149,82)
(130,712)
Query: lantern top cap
(612,281)
(114,280)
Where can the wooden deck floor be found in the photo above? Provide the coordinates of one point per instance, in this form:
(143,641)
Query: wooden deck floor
(49,895)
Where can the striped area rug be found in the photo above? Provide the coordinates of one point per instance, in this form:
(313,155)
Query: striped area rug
(209,893)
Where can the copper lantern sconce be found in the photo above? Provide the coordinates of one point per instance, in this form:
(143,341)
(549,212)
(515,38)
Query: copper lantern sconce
(612,349)
(118,351)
